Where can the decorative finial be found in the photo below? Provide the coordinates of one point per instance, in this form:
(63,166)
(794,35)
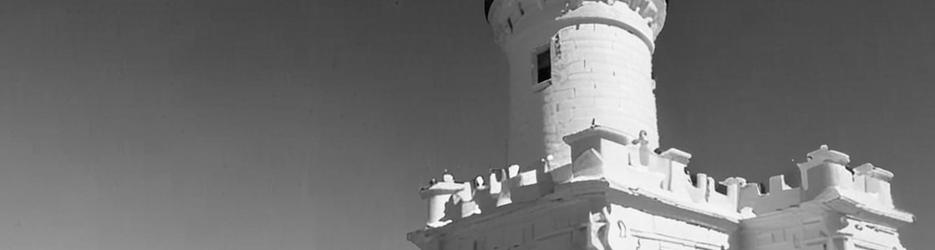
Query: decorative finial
(593,122)
(447,177)
(642,139)
(547,159)
(478,181)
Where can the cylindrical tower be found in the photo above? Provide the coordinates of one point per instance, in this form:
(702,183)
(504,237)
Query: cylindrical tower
(574,63)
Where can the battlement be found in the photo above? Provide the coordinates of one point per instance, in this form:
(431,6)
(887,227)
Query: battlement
(506,16)
(605,155)
(825,179)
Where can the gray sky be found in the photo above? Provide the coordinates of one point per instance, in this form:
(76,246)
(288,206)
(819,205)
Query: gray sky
(297,124)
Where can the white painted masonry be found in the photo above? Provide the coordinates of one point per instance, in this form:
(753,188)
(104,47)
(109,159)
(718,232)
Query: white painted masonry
(586,172)
(601,71)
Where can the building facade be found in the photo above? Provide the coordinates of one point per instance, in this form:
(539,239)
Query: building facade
(583,132)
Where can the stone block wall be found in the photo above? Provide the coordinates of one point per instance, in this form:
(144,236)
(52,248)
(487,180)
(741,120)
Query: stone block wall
(601,70)
(601,74)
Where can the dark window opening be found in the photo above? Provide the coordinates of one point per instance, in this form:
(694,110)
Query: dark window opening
(722,189)
(543,66)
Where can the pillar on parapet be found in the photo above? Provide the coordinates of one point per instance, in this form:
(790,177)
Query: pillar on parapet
(645,151)
(677,179)
(609,143)
(824,168)
(505,196)
(733,190)
(875,180)
(438,193)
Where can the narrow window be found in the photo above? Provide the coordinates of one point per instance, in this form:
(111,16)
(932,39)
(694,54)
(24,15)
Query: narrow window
(543,66)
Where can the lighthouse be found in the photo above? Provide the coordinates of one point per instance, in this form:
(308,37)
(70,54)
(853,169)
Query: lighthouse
(581,102)
(574,64)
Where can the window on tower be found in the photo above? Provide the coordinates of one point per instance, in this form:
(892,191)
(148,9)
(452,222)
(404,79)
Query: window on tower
(543,66)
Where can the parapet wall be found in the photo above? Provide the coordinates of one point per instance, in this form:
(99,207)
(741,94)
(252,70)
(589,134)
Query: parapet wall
(606,155)
(505,16)
(823,169)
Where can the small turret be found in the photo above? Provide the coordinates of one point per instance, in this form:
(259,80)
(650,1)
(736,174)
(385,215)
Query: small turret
(437,194)
(874,180)
(824,168)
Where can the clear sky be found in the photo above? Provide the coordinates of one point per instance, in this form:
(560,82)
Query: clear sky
(310,124)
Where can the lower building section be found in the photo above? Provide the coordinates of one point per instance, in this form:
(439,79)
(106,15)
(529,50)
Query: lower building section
(812,227)
(618,227)
(586,220)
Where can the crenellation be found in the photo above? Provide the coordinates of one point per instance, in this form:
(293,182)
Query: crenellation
(733,191)
(609,156)
(777,183)
(525,186)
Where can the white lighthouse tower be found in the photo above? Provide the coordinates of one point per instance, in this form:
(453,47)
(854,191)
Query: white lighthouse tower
(574,64)
(583,172)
